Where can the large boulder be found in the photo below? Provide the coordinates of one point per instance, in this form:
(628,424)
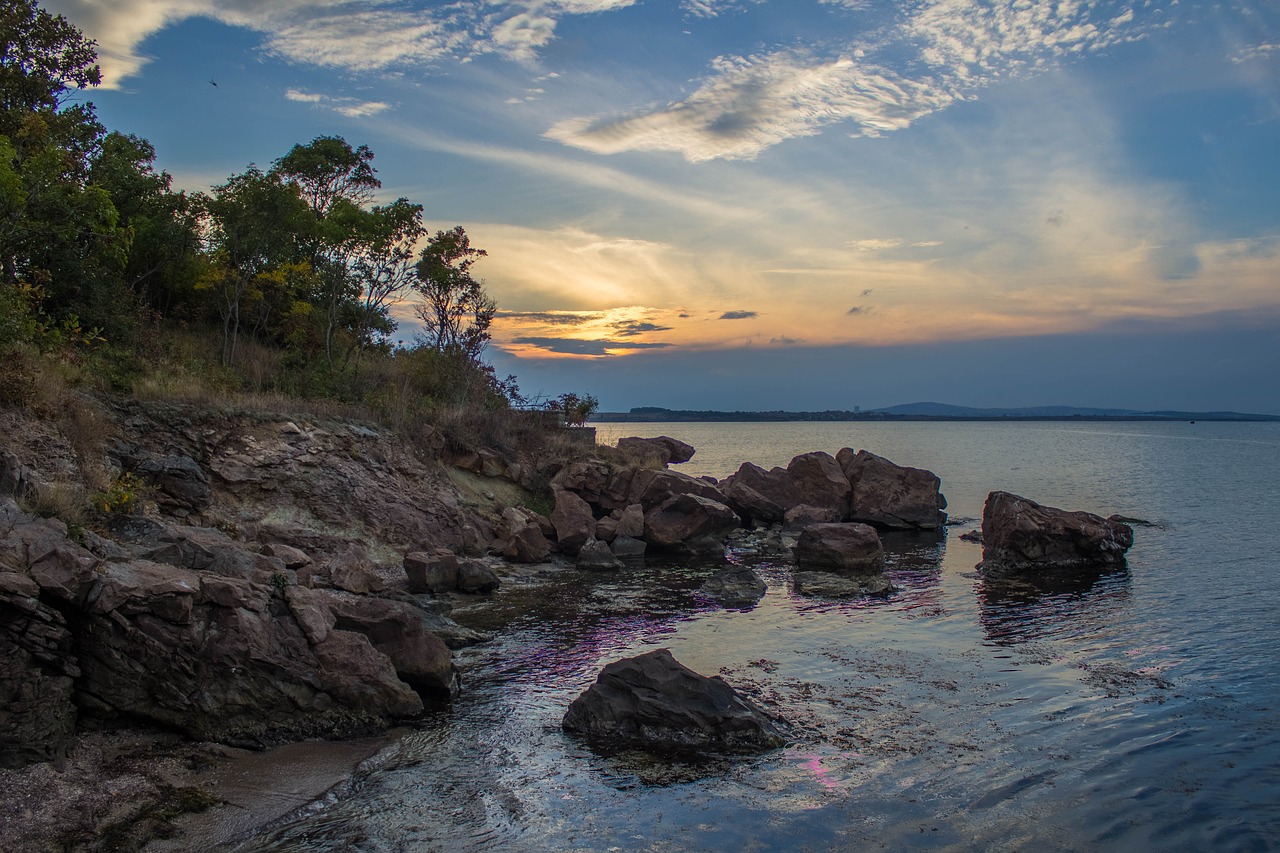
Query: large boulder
(819,481)
(400,631)
(759,495)
(1020,534)
(654,702)
(849,547)
(574,522)
(689,524)
(665,449)
(890,496)
(597,556)
(520,538)
(436,571)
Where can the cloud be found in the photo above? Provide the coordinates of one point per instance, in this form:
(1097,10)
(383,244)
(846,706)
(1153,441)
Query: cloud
(631,328)
(739,315)
(857,309)
(349,107)
(784,341)
(573,346)
(347,34)
(953,48)
(550,318)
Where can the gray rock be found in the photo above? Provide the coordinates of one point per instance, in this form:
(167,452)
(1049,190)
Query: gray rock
(627,547)
(850,547)
(474,576)
(434,572)
(596,556)
(736,586)
(181,486)
(891,496)
(827,585)
(689,524)
(653,702)
(1019,534)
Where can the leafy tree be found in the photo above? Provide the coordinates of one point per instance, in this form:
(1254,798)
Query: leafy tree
(254,219)
(455,310)
(384,266)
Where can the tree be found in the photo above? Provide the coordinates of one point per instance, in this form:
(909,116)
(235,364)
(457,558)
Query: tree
(455,310)
(42,57)
(254,219)
(384,266)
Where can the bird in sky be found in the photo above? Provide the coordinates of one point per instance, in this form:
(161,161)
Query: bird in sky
(213,83)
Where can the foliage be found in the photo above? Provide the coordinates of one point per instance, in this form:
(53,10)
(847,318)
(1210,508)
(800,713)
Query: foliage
(455,310)
(575,409)
(122,497)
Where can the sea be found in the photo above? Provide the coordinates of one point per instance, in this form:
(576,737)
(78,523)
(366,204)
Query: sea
(1130,710)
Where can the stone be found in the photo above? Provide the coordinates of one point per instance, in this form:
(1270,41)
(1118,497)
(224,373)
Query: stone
(398,630)
(890,496)
(528,545)
(631,522)
(179,482)
(801,516)
(736,586)
(607,528)
(759,495)
(1019,534)
(627,547)
(652,488)
(433,572)
(654,702)
(351,570)
(668,450)
(310,609)
(475,576)
(819,481)
(573,520)
(828,585)
(688,524)
(597,556)
(849,547)
(293,558)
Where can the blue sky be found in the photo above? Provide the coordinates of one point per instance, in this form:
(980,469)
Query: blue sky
(751,204)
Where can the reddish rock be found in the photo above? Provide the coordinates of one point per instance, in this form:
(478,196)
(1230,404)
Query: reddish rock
(849,547)
(800,517)
(760,495)
(890,496)
(431,572)
(1020,534)
(690,524)
(574,522)
(819,481)
(666,449)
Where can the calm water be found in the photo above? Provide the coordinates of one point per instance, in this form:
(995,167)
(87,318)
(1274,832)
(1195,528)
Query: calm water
(1136,710)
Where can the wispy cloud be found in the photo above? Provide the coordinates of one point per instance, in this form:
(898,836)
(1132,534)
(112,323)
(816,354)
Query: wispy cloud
(350,107)
(574,346)
(750,103)
(739,315)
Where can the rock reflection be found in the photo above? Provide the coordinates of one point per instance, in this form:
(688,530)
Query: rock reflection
(1017,608)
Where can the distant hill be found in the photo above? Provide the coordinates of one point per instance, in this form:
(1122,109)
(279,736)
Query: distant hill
(925,412)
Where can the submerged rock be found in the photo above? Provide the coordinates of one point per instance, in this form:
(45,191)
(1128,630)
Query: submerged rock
(1019,534)
(736,586)
(827,585)
(596,556)
(654,702)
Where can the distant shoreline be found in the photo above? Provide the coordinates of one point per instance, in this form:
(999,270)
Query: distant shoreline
(676,416)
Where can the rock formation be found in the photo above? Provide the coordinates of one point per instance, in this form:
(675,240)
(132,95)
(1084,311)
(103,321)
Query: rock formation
(654,702)
(1019,534)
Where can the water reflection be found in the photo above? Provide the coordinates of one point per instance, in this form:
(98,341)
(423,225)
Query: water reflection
(1018,608)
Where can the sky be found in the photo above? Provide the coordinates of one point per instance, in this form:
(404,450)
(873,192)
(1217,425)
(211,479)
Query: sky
(806,205)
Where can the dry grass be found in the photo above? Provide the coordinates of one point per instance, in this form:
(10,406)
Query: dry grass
(65,501)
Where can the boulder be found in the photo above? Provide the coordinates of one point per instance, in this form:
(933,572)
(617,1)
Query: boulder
(597,556)
(890,496)
(668,450)
(528,545)
(431,572)
(759,495)
(800,517)
(654,702)
(736,586)
(689,524)
(37,671)
(351,570)
(398,630)
(850,547)
(180,484)
(627,547)
(631,522)
(293,558)
(819,481)
(574,522)
(828,585)
(475,576)
(653,488)
(1020,534)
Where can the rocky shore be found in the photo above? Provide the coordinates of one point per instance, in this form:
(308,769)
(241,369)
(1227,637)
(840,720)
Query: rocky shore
(273,580)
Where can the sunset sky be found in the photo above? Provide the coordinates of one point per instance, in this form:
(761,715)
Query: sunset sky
(755,204)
